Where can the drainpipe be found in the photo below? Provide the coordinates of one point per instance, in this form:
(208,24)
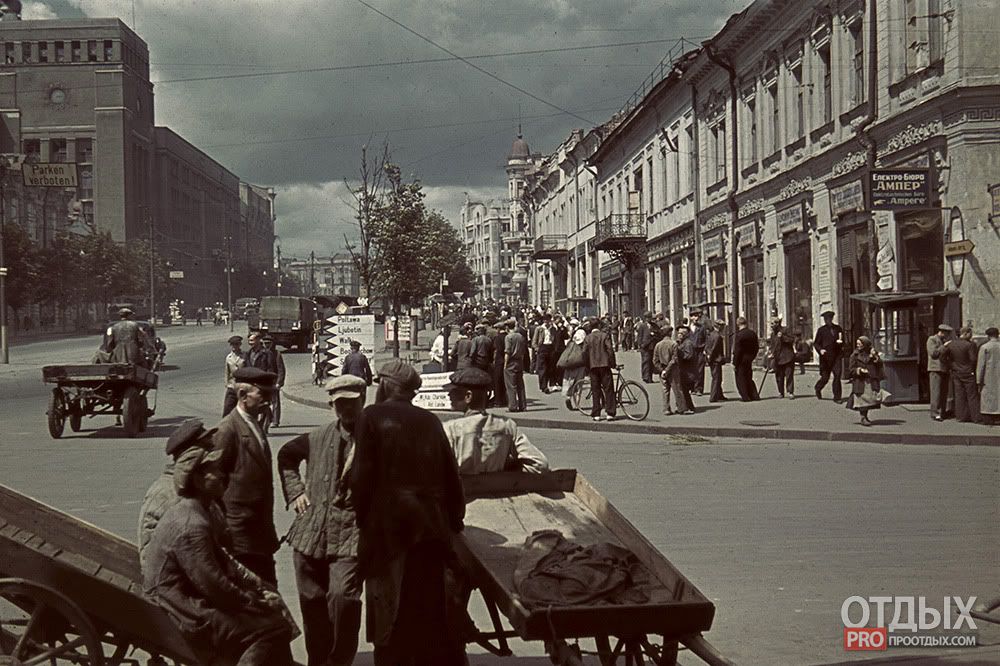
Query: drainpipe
(696,181)
(726,64)
(862,130)
(594,274)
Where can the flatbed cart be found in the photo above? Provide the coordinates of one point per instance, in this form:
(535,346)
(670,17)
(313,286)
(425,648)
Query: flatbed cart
(121,389)
(71,593)
(503,509)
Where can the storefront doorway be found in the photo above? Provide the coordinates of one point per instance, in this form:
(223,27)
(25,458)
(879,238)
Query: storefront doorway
(798,288)
(753,291)
(855,253)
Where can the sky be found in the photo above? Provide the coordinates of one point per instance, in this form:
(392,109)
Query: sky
(448,124)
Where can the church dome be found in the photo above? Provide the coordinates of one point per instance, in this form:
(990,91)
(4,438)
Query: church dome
(519,149)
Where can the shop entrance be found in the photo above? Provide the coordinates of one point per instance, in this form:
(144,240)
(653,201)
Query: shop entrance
(798,288)
(854,245)
(753,292)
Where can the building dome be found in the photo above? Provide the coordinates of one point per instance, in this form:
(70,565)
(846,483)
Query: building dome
(519,149)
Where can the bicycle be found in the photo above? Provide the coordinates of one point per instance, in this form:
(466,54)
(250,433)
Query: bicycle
(631,397)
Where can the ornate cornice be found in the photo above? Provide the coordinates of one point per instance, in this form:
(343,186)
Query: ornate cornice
(849,163)
(716,221)
(911,136)
(795,187)
(750,207)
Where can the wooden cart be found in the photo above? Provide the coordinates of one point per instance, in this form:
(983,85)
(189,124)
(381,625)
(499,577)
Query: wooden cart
(88,390)
(70,593)
(504,509)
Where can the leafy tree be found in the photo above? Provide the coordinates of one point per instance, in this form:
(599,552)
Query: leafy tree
(461,278)
(22,260)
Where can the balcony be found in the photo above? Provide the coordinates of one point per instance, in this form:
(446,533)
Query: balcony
(620,230)
(551,246)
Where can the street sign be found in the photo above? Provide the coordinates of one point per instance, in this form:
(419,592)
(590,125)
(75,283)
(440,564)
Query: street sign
(342,308)
(431,395)
(176,275)
(959,248)
(49,175)
(340,330)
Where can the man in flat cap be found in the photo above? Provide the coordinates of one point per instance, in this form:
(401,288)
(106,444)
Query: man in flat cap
(249,499)
(409,502)
(356,363)
(781,353)
(324,534)
(829,344)
(186,571)
(235,360)
(698,340)
(938,371)
(124,341)
(960,355)
(515,352)
(484,442)
(715,357)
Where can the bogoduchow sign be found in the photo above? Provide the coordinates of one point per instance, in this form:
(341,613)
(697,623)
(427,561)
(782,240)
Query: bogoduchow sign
(50,175)
(900,189)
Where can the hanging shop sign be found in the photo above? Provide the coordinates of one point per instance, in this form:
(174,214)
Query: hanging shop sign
(900,189)
(791,219)
(711,247)
(848,198)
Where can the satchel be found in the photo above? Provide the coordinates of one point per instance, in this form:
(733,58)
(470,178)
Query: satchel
(572,357)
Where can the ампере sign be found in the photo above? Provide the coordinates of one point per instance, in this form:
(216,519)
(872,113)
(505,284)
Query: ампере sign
(900,189)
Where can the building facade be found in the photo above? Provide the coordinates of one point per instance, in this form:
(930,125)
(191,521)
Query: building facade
(336,275)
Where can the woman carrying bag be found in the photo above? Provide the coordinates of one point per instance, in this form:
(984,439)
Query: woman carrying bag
(571,362)
(865,375)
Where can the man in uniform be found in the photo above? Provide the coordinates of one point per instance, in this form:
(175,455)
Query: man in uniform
(687,368)
(356,363)
(699,337)
(939,372)
(482,349)
(324,534)
(499,344)
(249,499)
(124,341)
(235,360)
(483,442)
(409,503)
(829,344)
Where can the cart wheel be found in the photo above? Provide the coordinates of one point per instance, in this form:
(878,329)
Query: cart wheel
(75,420)
(57,413)
(132,411)
(40,625)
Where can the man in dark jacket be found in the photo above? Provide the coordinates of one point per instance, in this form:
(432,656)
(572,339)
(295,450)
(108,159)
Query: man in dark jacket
(829,344)
(481,352)
(746,345)
(499,386)
(461,353)
(324,534)
(961,355)
(715,357)
(514,361)
(356,364)
(687,366)
(187,573)
(542,342)
(249,499)
(781,350)
(599,357)
(125,342)
(698,340)
(644,342)
(279,369)
(409,503)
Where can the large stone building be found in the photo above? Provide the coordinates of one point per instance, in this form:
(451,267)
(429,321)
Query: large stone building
(744,176)
(78,91)
(336,275)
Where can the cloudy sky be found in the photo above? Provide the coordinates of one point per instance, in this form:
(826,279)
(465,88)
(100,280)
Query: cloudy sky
(257,112)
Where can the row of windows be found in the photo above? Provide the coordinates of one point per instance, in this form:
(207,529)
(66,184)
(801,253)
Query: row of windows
(655,182)
(92,50)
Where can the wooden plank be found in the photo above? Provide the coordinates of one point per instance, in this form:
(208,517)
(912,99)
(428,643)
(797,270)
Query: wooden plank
(633,539)
(508,483)
(83,564)
(68,533)
(117,580)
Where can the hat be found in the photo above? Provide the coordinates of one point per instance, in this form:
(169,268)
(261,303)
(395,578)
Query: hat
(945,327)
(256,377)
(401,373)
(266,338)
(355,344)
(721,322)
(236,340)
(188,463)
(125,311)
(469,378)
(695,312)
(346,386)
(187,434)
(827,313)
(775,321)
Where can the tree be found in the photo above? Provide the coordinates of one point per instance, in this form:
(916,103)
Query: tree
(21,256)
(369,202)
(461,278)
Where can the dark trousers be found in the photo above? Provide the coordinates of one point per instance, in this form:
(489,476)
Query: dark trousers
(330,599)
(682,392)
(499,386)
(784,377)
(826,368)
(716,370)
(602,388)
(420,636)
(262,565)
(744,381)
(699,374)
(939,392)
(276,407)
(966,397)
(229,403)
(514,380)
(542,363)
(646,364)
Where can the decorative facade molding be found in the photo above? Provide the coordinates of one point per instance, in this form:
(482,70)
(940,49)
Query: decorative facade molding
(750,207)
(714,222)
(849,163)
(911,136)
(795,187)
(981,114)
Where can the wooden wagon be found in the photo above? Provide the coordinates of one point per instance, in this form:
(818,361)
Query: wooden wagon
(70,593)
(504,509)
(121,389)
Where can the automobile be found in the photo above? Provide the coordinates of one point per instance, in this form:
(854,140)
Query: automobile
(243,306)
(287,319)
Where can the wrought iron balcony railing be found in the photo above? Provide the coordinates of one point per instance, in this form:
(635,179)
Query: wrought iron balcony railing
(619,229)
(551,246)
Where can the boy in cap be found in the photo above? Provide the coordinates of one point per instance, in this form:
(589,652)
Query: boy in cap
(483,442)
(324,534)
(234,361)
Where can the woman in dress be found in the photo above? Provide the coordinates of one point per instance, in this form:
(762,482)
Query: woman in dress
(865,373)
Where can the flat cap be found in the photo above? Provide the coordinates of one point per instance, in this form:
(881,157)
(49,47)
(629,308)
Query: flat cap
(827,313)
(346,386)
(945,327)
(235,340)
(469,378)
(188,462)
(401,373)
(125,311)
(186,435)
(255,376)
(696,311)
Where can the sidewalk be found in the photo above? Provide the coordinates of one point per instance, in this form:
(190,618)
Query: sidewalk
(804,418)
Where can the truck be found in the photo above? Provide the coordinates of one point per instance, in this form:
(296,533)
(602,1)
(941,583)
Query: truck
(287,319)
(243,307)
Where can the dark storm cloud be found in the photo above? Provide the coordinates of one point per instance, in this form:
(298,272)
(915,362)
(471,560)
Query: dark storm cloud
(302,132)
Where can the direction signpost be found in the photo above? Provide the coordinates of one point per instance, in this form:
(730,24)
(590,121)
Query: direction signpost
(959,248)
(339,331)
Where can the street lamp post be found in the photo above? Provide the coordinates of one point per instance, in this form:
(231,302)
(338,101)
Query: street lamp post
(229,281)
(4,352)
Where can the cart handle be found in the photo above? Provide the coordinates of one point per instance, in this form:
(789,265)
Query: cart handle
(705,650)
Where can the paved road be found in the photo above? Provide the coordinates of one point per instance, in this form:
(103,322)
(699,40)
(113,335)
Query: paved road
(777,534)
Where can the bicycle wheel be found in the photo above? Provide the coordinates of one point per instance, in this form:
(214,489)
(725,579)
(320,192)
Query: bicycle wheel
(633,400)
(583,397)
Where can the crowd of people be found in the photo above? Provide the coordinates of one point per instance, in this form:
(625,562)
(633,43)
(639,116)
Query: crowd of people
(688,359)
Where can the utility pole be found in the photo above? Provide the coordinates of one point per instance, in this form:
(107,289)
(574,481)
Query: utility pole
(4,352)
(312,274)
(229,281)
(152,272)
(277,251)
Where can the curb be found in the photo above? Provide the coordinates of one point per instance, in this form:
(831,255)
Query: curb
(747,432)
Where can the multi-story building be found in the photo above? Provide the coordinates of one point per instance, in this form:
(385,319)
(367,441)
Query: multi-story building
(256,231)
(336,275)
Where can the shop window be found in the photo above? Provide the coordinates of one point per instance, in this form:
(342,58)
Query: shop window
(677,300)
(798,288)
(717,275)
(922,250)
(753,292)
